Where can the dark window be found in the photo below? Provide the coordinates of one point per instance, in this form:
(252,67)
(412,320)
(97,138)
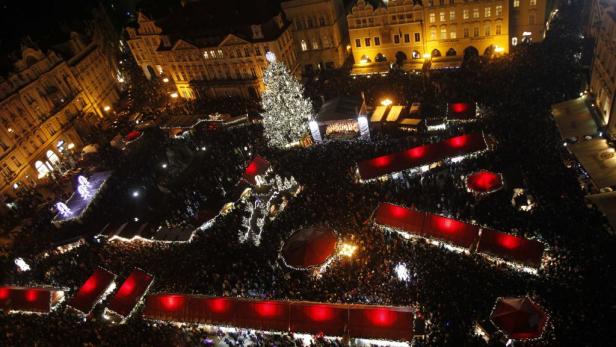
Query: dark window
(407,38)
(417,37)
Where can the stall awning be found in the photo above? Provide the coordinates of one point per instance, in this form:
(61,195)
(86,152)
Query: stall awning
(574,119)
(598,159)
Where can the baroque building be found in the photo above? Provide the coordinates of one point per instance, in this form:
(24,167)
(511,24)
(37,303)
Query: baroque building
(320,33)
(603,74)
(213,49)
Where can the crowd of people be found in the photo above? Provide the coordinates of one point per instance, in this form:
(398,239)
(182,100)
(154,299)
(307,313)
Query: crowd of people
(453,291)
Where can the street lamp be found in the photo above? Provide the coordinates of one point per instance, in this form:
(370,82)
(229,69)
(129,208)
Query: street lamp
(174,95)
(107,108)
(135,193)
(166,80)
(386,102)
(427,55)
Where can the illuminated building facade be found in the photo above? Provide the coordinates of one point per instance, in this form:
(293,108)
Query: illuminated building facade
(529,19)
(320,33)
(207,49)
(407,31)
(603,75)
(47,95)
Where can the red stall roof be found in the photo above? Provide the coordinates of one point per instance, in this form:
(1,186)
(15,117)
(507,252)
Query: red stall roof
(131,291)
(461,110)
(399,217)
(92,290)
(362,321)
(421,155)
(484,181)
(24,299)
(510,247)
(451,230)
(384,323)
(519,318)
(258,166)
(309,247)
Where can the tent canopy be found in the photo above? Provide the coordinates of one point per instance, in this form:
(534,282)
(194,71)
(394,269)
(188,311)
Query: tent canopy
(131,291)
(598,159)
(29,299)
(461,110)
(574,119)
(309,247)
(519,318)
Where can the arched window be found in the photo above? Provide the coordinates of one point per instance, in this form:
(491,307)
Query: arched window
(436,53)
(380,58)
(41,168)
(451,52)
(416,55)
(52,157)
(304,45)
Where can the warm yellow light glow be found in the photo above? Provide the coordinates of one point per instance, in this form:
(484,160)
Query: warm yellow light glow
(347,250)
(10,130)
(107,108)
(498,49)
(427,56)
(364,61)
(71,145)
(174,95)
(166,80)
(386,102)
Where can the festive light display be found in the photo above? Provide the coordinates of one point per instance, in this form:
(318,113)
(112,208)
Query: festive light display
(286,111)
(402,272)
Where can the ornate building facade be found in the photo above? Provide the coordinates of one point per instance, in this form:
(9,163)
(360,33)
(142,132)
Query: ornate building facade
(320,33)
(603,74)
(204,48)
(410,31)
(529,19)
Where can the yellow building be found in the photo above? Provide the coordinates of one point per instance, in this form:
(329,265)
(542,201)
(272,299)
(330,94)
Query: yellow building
(529,19)
(409,32)
(206,48)
(39,101)
(319,31)
(603,75)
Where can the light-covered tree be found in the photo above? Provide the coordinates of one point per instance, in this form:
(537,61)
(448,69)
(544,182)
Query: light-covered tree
(286,110)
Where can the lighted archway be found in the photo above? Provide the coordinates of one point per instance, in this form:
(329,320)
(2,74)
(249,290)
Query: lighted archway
(436,53)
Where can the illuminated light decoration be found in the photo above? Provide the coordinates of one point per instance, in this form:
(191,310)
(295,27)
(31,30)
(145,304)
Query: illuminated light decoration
(483,182)
(381,316)
(133,135)
(174,95)
(315,131)
(31,295)
(135,193)
(22,265)
(270,57)
(4,293)
(448,225)
(417,152)
(71,145)
(347,250)
(320,313)
(267,309)
(386,102)
(80,201)
(165,80)
(461,111)
(458,141)
(286,111)
(402,272)
(63,209)
(219,305)
(364,127)
(173,302)
(514,250)
(127,287)
(437,154)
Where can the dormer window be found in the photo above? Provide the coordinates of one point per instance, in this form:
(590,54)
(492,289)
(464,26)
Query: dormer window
(279,22)
(256,32)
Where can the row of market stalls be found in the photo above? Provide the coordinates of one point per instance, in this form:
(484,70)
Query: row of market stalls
(595,154)
(520,252)
(347,117)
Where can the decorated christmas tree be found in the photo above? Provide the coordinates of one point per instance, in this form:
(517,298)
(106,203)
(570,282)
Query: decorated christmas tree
(286,111)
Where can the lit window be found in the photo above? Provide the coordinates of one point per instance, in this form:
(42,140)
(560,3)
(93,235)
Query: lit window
(452,32)
(432,17)
(452,15)
(516,3)
(475,13)
(443,33)
(465,14)
(499,10)
(205,55)
(442,16)
(315,44)
(514,41)
(304,45)
(488,12)
(433,34)
(533,2)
